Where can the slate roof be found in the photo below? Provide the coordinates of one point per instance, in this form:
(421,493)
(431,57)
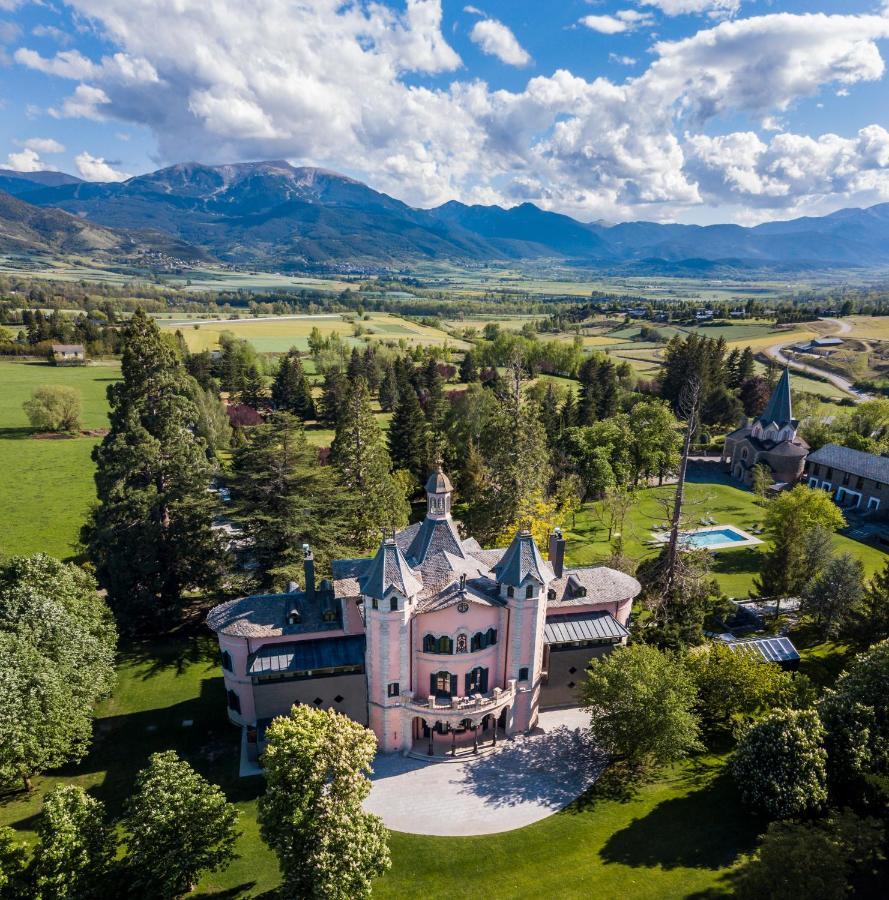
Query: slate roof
(603,585)
(587,626)
(855,462)
(388,570)
(779,409)
(265,615)
(434,536)
(522,560)
(307,656)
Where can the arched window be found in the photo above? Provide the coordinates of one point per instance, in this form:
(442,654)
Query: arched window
(234,702)
(393,604)
(529,591)
(491,636)
(444,645)
(442,684)
(227,661)
(477,641)
(510,591)
(477,681)
(429,643)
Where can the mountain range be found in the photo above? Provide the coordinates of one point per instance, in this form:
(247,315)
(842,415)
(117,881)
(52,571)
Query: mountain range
(275,215)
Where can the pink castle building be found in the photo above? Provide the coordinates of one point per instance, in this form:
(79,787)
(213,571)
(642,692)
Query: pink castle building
(432,642)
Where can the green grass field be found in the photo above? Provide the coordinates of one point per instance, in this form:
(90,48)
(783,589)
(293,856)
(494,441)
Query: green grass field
(46,486)
(674,837)
(279,334)
(729,505)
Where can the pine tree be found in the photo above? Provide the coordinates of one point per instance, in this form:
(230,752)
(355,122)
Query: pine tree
(549,412)
(332,398)
(746,366)
(408,439)
(253,391)
(568,412)
(284,499)
(291,391)
(389,389)
(468,368)
(365,468)
(151,537)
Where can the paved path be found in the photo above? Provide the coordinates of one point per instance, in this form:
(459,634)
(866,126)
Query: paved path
(844,384)
(521,782)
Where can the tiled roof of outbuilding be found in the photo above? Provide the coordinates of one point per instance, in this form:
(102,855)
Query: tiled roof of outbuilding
(602,585)
(855,462)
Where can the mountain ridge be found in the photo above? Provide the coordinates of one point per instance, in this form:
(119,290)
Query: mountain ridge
(274,213)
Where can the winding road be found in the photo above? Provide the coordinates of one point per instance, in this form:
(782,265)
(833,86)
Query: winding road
(844,384)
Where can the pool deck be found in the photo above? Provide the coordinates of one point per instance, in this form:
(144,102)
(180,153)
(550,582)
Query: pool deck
(747,540)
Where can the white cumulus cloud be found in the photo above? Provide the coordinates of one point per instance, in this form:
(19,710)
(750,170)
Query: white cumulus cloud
(333,84)
(713,8)
(496,39)
(622,21)
(44,145)
(94,168)
(26,160)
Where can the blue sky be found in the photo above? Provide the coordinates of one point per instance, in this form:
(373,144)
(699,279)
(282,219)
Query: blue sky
(675,110)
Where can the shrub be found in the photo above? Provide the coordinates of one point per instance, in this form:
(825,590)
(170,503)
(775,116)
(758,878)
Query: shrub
(54,407)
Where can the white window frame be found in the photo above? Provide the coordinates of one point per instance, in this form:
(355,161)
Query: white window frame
(873,503)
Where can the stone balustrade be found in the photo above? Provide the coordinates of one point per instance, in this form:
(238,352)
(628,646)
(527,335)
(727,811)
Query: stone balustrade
(472,703)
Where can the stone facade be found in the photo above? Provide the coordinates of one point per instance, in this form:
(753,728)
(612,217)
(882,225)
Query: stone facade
(770,440)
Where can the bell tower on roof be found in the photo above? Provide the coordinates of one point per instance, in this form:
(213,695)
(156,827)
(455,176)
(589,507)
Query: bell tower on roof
(438,495)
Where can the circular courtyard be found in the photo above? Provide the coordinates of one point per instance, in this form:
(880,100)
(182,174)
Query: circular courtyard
(519,782)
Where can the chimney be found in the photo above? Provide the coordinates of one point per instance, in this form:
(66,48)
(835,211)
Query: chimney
(309,569)
(557,552)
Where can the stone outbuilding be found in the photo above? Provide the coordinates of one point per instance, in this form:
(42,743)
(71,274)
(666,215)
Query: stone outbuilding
(771,439)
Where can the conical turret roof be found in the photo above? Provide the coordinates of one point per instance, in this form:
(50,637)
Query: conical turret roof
(779,409)
(522,559)
(387,571)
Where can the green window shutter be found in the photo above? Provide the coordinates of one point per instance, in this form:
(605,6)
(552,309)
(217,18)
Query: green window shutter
(484,681)
(453,685)
(432,683)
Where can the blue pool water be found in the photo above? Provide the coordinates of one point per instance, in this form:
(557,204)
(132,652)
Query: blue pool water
(712,538)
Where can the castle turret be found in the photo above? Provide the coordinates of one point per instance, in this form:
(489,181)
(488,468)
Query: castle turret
(438,495)
(523,576)
(389,587)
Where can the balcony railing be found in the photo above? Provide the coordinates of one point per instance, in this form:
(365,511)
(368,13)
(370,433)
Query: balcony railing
(471,703)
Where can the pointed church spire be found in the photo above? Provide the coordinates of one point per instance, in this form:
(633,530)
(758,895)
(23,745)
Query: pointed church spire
(779,409)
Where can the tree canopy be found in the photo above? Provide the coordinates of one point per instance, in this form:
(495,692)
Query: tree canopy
(57,645)
(316,764)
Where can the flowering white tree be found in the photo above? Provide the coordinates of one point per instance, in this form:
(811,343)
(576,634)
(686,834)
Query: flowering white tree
(315,766)
(780,764)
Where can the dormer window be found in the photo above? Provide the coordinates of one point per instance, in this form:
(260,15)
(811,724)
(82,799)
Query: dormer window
(329,615)
(293,617)
(393,604)
(551,594)
(580,591)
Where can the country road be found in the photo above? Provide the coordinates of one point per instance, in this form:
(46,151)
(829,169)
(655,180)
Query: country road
(844,384)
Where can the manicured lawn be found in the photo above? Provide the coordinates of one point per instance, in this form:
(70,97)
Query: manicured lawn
(46,486)
(676,836)
(729,505)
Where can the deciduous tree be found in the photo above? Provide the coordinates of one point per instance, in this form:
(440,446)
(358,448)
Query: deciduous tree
(642,705)
(57,644)
(76,846)
(54,407)
(316,765)
(779,764)
(833,595)
(13,865)
(178,825)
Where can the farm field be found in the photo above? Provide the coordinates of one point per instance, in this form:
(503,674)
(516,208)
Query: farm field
(279,334)
(874,328)
(46,486)
(729,505)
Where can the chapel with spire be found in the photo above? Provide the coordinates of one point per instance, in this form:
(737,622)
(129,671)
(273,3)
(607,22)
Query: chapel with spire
(433,642)
(771,439)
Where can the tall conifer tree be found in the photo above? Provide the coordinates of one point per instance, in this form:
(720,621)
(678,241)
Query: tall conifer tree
(408,439)
(150,536)
(360,456)
(284,499)
(291,391)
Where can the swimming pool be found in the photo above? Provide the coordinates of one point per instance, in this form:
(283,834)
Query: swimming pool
(714,537)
